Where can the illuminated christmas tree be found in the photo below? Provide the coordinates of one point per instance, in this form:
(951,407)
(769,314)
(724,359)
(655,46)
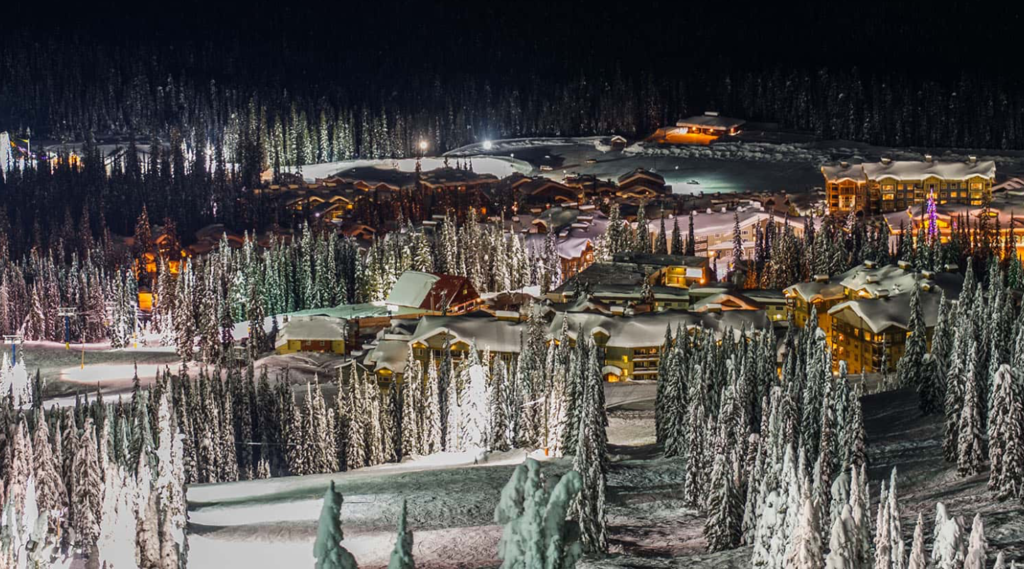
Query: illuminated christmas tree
(933,218)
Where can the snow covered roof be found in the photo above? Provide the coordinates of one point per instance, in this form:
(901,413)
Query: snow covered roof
(710,120)
(892,280)
(388,355)
(487,332)
(641,173)
(430,291)
(910,170)
(647,330)
(575,230)
(311,328)
(721,223)
(880,314)
(914,170)
(816,291)
(1005,206)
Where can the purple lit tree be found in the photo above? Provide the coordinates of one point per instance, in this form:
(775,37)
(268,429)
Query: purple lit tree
(933,218)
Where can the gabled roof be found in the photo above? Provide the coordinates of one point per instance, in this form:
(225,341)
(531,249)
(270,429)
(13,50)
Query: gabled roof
(816,291)
(641,173)
(428,291)
(479,328)
(880,314)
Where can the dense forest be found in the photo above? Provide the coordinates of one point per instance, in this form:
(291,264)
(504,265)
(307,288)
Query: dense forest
(338,90)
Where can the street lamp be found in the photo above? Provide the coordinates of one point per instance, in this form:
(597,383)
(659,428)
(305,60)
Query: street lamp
(423,146)
(488,145)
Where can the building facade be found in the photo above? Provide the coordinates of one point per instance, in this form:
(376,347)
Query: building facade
(895,185)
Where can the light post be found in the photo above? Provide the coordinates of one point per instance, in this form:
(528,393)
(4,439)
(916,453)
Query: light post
(423,147)
(488,145)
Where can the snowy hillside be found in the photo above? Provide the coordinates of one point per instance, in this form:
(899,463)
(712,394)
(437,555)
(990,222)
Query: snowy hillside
(271,523)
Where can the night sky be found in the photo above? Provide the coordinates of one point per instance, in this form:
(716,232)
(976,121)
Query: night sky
(499,37)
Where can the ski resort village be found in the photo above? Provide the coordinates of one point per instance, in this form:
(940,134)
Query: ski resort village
(518,288)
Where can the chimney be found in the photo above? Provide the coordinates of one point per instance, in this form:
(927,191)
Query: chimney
(844,164)
(711,113)
(903,265)
(972,159)
(869,264)
(886,160)
(928,158)
(883,293)
(821,278)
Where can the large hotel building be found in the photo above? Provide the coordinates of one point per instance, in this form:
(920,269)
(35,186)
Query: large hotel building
(895,185)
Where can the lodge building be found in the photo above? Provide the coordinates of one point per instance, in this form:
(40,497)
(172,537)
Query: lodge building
(895,185)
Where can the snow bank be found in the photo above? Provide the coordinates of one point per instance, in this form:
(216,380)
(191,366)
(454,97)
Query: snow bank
(748,151)
(510,145)
(499,166)
(204,493)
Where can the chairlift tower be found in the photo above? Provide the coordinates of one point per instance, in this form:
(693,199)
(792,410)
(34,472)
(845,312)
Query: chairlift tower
(14,340)
(68,313)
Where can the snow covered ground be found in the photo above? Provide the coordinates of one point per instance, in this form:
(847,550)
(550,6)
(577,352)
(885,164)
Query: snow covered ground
(271,523)
(725,167)
(499,166)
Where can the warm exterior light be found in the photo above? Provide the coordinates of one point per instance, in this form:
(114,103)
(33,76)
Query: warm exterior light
(423,145)
(487,145)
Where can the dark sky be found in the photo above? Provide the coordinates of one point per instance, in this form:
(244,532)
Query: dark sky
(916,37)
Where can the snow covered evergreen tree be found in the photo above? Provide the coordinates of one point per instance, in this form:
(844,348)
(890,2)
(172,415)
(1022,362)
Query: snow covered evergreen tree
(970,457)
(475,410)
(590,460)
(411,408)
(977,546)
(724,506)
(806,551)
(401,555)
(917,559)
(1006,435)
(841,545)
(909,369)
(536,533)
(430,416)
(327,549)
(949,549)
(86,503)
